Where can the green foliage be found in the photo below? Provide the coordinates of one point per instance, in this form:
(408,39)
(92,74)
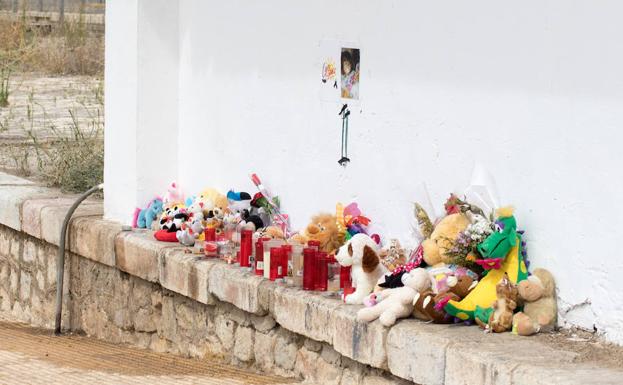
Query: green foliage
(5,75)
(73,162)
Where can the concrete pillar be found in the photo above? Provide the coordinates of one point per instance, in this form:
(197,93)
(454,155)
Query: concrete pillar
(141,103)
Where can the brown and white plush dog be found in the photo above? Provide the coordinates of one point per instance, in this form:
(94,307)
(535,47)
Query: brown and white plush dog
(361,252)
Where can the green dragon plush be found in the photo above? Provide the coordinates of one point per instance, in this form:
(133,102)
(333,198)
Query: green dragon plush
(502,253)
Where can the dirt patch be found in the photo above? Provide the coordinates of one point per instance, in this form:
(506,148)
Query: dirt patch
(589,347)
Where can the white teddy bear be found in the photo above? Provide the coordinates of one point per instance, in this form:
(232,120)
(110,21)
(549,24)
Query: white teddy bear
(395,303)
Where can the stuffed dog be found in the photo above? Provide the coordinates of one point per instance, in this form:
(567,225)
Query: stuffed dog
(361,252)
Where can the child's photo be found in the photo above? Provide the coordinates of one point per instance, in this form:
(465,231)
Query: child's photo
(350,73)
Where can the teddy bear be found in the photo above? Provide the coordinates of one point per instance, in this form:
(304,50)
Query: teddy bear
(272,232)
(395,303)
(393,255)
(538,295)
(322,228)
(500,315)
(429,303)
(143,218)
(442,238)
(361,253)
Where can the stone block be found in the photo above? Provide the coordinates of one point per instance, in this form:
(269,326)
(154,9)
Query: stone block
(477,358)
(425,346)
(286,348)
(225,331)
(12,180)
(264,350)
(15,249)
(314,369)
(5,273)
(576,374)
(137,253)
(330,355)
(31,212)
(145,321)
(29,252)
(12,198)
(174,268)
(245,339)
(40,281)
(363,342)
(14,285)
(312,345)
(350,377)
(5,244)
(5,300)
(306,364)
(186,274)
(236,286)
(263,323)
(305,313)
(52,218)
(168,325)
(24,287)
(94,238)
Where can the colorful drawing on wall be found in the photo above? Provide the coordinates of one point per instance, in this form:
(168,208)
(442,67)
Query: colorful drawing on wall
(329,72)
(350,69)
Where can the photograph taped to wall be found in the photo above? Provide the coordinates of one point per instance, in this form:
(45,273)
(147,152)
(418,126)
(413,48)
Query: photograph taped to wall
(350,69)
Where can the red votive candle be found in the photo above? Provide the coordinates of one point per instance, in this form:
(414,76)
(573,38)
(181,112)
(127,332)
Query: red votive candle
(210,249)
(322,271)
(210,234)
(345,278)
(246,244)
(259,257)
(276,254)
(309,270)
(314,244)
(285,259)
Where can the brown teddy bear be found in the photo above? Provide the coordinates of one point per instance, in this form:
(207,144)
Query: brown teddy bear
(538,294)
(273,232)
(501,314)
(427,304)
(322,228)
(393,255)
(442,238)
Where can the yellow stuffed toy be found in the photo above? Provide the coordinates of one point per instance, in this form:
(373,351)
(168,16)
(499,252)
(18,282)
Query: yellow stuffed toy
(443,236)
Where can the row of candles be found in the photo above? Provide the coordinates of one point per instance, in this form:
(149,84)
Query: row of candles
(304,266)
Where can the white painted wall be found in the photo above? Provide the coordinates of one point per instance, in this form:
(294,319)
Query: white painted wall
(142,101)
(533,89)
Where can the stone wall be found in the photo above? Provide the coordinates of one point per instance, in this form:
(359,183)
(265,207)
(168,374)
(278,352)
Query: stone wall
(107,303)
(128,287)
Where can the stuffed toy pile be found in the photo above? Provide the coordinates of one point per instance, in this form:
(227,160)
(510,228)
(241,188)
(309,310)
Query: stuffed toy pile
(468,267)
(476,272)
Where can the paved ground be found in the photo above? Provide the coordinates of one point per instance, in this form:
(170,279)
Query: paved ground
(35,356)
(42,105)
(46,108)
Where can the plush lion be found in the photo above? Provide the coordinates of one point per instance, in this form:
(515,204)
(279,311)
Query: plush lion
(322,228)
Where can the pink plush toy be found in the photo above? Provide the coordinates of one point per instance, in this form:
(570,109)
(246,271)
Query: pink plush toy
(174,194)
